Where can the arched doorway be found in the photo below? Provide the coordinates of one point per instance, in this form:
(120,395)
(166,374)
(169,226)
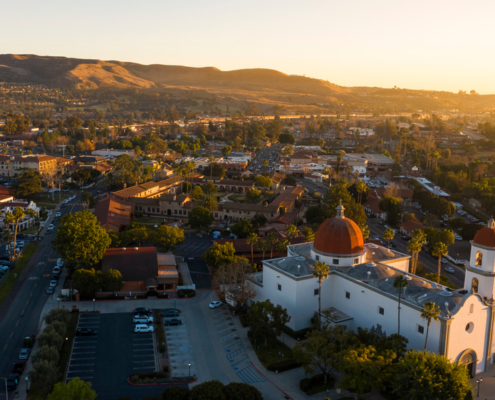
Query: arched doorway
(468,359)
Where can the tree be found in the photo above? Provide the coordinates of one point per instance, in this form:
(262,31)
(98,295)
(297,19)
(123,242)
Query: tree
(220,254)
(440,250)
(366,369)
(241,391)
(288,150)
(282,245)
(28,185)
(456,223)
(76,389)
(210,203)
(392,206)
(48,353)
(258,221)
(360,188)
(226,151)
(12,218)
(166,238)
(323,349)
(320,272)
(242,228)
(230,281)
(112,281)
(434,236)
(263,246)
(88,199)
(266,320)
(209,390)
(430,311)
(415,245)
(309,235)
(87,281)
(292,232)
(339,194)
(43,376)
(470,230)
(51,337)
(217,171)
(80,239)
(263,181)
(57,314)
(290,180)
(252,239)
(422,375)
(388,235)
(175,393)
(209,189)
(286,138)
(196,193)
(400,282)
(200,218)
(316,214)
(273,238)
(253,195)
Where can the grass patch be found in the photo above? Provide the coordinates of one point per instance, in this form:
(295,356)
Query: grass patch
(48,199)
(273,354)
(12,276)
(148,220)
(49,206)
(240,198)
(67,346)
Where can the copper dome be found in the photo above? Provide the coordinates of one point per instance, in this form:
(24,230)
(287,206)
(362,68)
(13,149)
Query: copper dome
(339,235)
(486,236)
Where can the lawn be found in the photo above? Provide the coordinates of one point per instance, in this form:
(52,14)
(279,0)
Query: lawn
(240,198)
(9,280)
(148,220)
(48,199)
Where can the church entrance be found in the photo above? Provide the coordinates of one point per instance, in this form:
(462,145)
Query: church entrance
(468,359)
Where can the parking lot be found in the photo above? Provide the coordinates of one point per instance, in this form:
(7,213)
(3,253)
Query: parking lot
(180,349)
(194,245)
(113,354)
(200,274)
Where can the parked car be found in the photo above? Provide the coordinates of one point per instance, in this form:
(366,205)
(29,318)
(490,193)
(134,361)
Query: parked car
(142,328)
(444,261)
(142,319)
(59,214)
(215,304)
(173,321)
(60,262)
(50,290)
(24,354)
(19,367)
(56,270)
(170,313)
(85,332)
(142,311)
(28,341)
(12,381)
(450,270)
(53,283)
(62,206)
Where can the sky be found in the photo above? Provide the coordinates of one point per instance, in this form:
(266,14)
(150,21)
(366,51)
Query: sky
(416,44)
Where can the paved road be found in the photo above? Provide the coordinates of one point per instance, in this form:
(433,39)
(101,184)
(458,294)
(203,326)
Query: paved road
(23,315)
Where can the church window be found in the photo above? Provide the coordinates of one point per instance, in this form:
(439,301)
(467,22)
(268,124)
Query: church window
(335,261)
(356,261)
(279,287)
(479,259)
(421,329)
(381,310)
(347,295)
(317,258)
(474,285)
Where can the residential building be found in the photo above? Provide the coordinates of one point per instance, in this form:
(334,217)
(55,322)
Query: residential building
(113,213)
(12,165)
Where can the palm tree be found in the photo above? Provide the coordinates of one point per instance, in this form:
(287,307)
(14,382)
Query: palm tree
(263,245)
(430,311)
(440,250)
(400,282)
(282,245)
(273,238)
(320,272)
(415,245)
(360,188)
(388,235)
(252,239)
(292,231)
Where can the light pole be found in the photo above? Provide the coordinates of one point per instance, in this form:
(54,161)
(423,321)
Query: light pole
(478,381)
(27,384)
(189,373)
(94,306)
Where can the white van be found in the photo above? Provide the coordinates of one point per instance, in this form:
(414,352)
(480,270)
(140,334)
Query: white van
(142,319)
(60,262)
(143,328)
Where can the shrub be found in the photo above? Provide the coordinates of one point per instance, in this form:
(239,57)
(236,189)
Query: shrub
(175,393)
(283,365)
(58,314)
(134,379)
(241,391)
(165,368)
(316,384)
(48,353)
(298,335)
(244,320)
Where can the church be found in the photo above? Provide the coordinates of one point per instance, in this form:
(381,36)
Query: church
(359,292)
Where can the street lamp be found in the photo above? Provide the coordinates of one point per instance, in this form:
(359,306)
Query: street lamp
(27,384)
(478,381)
(189,373)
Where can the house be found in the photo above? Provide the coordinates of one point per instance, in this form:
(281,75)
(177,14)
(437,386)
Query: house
(113,213)
(475,203)
(407,228)
(142,268)
(10,206)
(372,206)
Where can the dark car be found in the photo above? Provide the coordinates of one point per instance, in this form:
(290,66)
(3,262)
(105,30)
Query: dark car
(392,244)
(28,341)
(142,311)
(173,321)
(85,332)
(19,367)
(62,206)
(170,313)
(12,381)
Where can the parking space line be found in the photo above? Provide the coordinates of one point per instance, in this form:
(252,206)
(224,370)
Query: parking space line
(141,362)
(86,358)
(144,344)
(82,365)
(144,355)
(232,344)
(143,350)
(80,370)
(84,347)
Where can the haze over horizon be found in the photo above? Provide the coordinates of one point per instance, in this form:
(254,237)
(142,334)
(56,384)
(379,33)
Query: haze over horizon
(417,45)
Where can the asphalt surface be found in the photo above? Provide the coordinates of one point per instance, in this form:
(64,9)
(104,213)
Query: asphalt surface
(194,246)
(200,274)
(22,316)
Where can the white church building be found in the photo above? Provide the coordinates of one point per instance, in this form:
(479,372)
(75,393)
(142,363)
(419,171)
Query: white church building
(359,292)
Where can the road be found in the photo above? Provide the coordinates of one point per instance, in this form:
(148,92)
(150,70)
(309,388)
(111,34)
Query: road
(22,317)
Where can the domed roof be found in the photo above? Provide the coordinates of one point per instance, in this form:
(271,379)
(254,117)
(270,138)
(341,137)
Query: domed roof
(339,235)
(486,236)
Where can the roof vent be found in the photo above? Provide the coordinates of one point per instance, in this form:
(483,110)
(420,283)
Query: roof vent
(446,293)
(300,259)
(136,248)
(124,249)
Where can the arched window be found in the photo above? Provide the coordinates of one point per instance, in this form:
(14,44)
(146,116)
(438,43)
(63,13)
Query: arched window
(479,259)
(474,285)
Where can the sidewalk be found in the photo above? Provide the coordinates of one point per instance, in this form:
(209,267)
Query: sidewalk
(487,387)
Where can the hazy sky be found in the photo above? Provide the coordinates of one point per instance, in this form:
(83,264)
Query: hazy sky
(419,44)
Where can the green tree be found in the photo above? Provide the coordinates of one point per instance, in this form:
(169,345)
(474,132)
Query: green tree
(286,138)
(456,223)
(196,193)
(258,221)
(209,189)
(392,206)
(320,272)
(242,228)
(48,353)
(241,391)
(323,349)
(338,193)
(13,218)
(435,236)
(226,151)
(309,235)
(51,337)
(470,230)
(112,281)
(388,235)
(88,199)
(418,240)
(28,185)
(80,239)
(220,254)
(263,181)
(292,232)
(175,393)
(282,245)
(316,214)
(75,389)
(361,188)
(87,281)
(430,311)
(253,195)
(166,238)
(366,369)
(43,376)
(200,218)
(440,250)
(263,246)
(400,282)
(273,238)
(210,203)
(209,390)
(58,314)
(252,239)
(421,375)
(217,171)
(266,320)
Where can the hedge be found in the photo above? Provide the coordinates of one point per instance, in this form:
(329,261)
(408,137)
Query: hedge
(159,332)
(283,365)
(316,384)
(157,377)
(298,335)
(186,293)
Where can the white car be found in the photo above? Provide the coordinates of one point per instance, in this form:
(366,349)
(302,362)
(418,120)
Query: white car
(450,270)
(142,328)
(215,304)
(53,283)
(60,262)
(58,214)
(142,319)
(50,227)
(458,237)
(444,261)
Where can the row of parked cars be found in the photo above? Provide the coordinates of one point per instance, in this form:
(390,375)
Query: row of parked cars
(55,275)
(20,364)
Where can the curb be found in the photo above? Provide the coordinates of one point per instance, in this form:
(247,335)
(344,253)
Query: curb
(286,395)
(162,384)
